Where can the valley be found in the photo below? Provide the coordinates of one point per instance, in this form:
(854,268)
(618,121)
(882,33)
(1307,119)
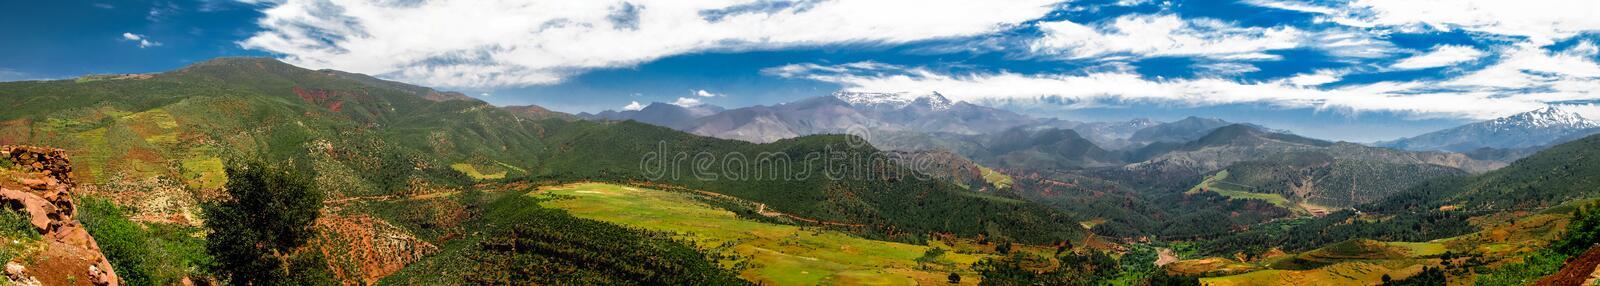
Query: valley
(406,185)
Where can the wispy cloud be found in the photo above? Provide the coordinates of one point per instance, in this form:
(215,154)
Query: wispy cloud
(1443,55)
(512,43)
(1541,21)
(1164,35)
(704,93)
(1456,98)
(687,102)
(141,40)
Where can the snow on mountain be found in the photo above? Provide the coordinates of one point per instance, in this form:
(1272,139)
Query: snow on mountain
(1548,117)
(1532,129)
(893,100)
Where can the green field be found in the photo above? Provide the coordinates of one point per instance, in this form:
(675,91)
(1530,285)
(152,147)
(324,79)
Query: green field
(1000,180)
(776,254)
(1215,183)
(1353,262)
(472,171)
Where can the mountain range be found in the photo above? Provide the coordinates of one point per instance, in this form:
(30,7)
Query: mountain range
(1505,138)
(433,187)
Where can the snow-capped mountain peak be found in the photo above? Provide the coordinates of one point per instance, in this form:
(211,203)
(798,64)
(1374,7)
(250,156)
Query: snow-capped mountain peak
(1548,117)
(893,100)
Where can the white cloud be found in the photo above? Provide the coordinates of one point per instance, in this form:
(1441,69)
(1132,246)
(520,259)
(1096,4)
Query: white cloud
(1542,21)
(687,102)
(1442,55)
(1319,77)
(143,41)
(1585,48)
(704,93)
(1528,71)
(634,105)
(1448,98)
(513,43)
(1163,35)
(1227,68)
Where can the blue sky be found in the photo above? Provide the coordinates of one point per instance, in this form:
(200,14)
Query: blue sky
(1360,70)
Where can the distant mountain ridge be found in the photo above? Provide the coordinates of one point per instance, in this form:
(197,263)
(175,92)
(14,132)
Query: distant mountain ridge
(1236,143)
(660,114)
(1533,129)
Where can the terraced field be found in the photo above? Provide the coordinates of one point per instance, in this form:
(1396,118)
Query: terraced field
(1363,262)
(1354,262)
(772,254)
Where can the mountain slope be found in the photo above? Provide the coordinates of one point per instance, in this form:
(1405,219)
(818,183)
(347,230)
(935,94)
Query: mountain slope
(1543,127)
(1235,143)
(840,113)
(1564,172)
(1185,130)
(167,136)
(535,112)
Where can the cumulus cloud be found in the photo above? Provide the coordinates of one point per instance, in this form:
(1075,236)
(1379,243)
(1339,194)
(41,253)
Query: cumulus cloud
(514,43)
(142,40)
(687,102)
(1443,55)
(633,105)
(704,93)
(1447,98)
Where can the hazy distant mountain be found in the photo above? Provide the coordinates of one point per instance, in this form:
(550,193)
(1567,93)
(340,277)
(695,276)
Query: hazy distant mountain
(849,112)
(660,114)
(817,115)
(1238,142)
(1108,134)
(1045,148)
(1185,130)
(1533,129)
(1019,147)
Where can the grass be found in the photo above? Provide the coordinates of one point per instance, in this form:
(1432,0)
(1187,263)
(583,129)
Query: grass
(999,180)
(17,236)
(204,172)
(1347,273)
(472,171)
(776,254)
(1214,183)
(144,254)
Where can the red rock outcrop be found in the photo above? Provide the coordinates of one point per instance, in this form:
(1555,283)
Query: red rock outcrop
(38,183)
(1579,270)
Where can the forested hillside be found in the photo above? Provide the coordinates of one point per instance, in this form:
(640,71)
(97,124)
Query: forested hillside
(167,137)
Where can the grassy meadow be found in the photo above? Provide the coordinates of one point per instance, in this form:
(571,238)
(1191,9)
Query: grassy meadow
(772,254)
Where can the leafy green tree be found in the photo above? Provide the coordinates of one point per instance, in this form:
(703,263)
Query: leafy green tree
(1582,233)
(955,278)
(254,232)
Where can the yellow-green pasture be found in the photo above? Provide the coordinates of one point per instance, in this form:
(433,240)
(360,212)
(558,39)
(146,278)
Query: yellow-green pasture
(472,171)
(776,254)
(1215,183)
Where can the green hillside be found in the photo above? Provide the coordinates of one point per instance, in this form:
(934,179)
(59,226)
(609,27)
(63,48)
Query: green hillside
(166,137)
